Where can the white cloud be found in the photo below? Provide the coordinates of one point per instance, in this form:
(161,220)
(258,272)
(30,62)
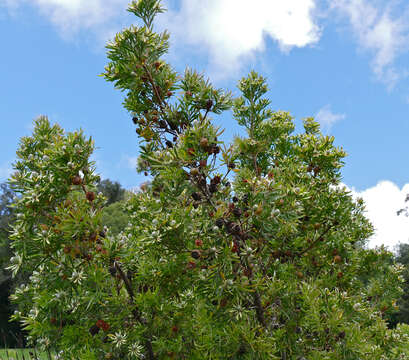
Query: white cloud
(234,29)
(227,30)
(382,203)
(327,118)
(380,32)
(70,16)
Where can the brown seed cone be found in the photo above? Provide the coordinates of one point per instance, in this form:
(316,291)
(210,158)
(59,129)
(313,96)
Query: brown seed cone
(209,104)
(220,222)
(90,196)
(94,329)
(233,228)
(196,196)
(194,171)
(76,180)
(204,142)
(216,180)
(237,212)
(195,254)
(213,188)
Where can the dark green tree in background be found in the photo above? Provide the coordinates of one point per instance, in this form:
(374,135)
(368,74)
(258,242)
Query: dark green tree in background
(10,333)
(113,191)
(115,218)
(402,316)
(402,257)
(113,214)
(6,217)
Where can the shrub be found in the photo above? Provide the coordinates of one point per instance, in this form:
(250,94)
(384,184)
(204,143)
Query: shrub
(245,251)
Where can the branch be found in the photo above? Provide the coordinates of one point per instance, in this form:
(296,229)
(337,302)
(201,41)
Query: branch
(161,105)
(135,312)
(126,280)
(257,300)
(315,242)
(259,309)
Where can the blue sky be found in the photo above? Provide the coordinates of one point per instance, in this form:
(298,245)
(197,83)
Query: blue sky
(346,62)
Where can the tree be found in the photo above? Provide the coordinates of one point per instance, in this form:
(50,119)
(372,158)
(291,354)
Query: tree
(243,251)
(402,316)
(6,218)
(115,218)
(113,191)
(10,333)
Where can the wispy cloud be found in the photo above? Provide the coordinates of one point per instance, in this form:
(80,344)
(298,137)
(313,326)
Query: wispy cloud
(5,171)
(382,203)
(380,31)
(129,161)
(327,118)
(71,16)
(231,31)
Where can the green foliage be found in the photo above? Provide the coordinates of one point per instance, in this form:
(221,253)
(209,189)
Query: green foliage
(244,251)
(146,10)
(115,218)
(25,354)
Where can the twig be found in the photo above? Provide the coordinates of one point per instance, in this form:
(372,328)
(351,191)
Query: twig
(205,115)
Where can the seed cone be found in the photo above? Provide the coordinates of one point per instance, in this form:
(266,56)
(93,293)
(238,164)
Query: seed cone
(90,196)
(204,142)
(195,254)
(196,196)
(219,222)
(94,329)
(209,104)
(76,180)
